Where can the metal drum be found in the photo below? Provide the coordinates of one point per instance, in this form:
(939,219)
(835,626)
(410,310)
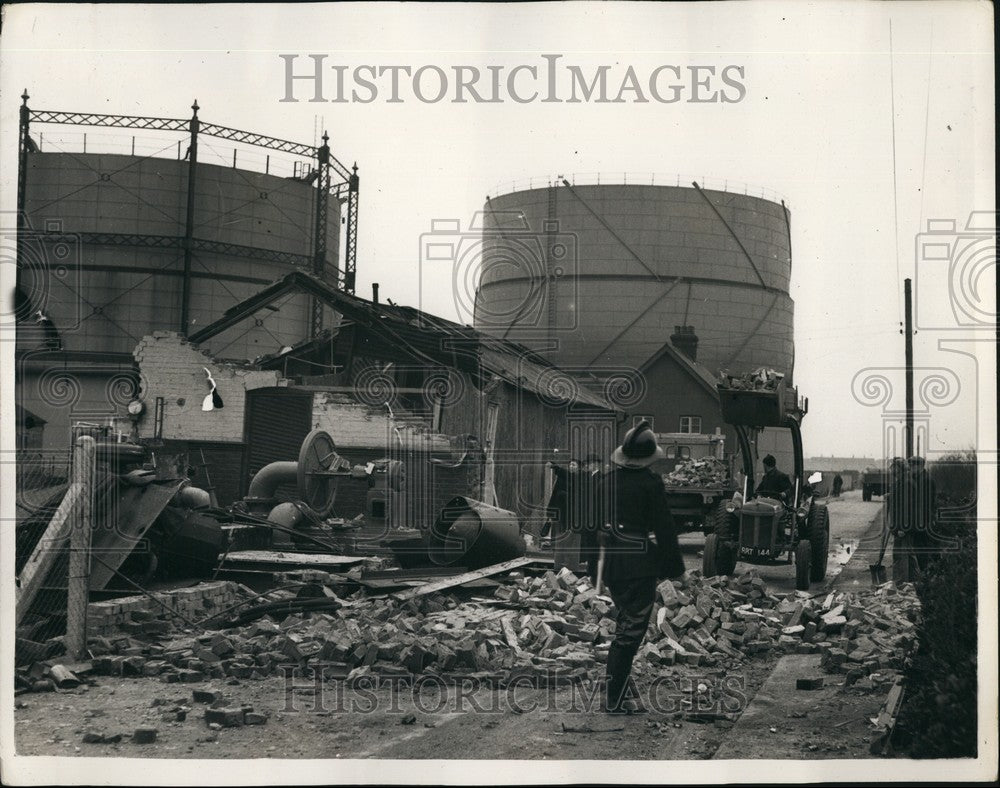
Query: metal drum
(473,534)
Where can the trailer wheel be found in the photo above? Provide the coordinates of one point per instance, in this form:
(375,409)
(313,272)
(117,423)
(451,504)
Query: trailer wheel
(819,538)
(803,554)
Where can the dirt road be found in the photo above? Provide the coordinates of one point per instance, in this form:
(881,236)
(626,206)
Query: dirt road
(310,720)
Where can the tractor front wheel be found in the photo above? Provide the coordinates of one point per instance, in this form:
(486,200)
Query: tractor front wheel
(819,538)
(725,526)
(803,555)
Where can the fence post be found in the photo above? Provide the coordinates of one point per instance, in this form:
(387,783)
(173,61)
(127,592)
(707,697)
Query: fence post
(81,529)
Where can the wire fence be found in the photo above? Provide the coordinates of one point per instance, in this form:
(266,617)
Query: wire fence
(637,179)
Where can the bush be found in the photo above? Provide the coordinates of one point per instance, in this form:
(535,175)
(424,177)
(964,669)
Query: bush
(938,719)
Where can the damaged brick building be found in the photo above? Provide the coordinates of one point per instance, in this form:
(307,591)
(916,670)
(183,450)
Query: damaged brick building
(467,414)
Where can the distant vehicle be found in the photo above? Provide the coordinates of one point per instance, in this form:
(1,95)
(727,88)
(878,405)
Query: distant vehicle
(874,481)
(693,506)
(764,530)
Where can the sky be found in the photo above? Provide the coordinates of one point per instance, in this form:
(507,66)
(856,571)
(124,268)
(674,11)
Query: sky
(863,147)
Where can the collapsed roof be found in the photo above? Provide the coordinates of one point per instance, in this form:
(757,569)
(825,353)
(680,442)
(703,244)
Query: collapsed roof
(387,330)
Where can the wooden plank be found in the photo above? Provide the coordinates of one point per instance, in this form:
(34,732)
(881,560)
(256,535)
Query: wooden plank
(886,720)
(489,482)
(310,559)
(40,562)
(465,577)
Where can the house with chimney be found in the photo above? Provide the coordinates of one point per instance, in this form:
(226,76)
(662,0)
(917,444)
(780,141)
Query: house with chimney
(680,398)
(680,395)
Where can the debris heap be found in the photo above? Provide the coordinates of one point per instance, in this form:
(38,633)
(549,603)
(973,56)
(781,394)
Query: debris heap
(705,472)
(761,379)
(540,624)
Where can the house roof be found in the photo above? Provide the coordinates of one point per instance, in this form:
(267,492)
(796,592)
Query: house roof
(696,371)
(423,337)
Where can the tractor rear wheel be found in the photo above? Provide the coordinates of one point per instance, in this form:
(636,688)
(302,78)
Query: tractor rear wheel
(803,554)
(819,538)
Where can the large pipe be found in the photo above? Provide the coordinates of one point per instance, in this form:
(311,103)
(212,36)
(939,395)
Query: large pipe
(268,479)
(473,534)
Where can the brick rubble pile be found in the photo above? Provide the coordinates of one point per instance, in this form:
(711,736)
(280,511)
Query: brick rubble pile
(535,624)
(761,379)
(705,472)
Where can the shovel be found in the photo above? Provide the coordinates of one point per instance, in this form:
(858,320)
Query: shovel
(601,553)
(878,570)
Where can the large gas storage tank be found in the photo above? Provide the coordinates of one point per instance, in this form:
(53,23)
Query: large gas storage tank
(600,276)
(119,221)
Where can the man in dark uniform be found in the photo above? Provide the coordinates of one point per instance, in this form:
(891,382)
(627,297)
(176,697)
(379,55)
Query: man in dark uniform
(558,521)
(640,547)
(774,483)
(913,545)
(838,485)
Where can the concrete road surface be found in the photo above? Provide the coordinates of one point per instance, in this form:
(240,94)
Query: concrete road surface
(850,519)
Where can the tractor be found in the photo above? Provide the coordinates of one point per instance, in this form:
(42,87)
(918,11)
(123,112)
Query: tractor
(764,530)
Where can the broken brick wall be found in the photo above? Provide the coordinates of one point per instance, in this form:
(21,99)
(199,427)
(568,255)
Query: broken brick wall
(174,369)
(138,613)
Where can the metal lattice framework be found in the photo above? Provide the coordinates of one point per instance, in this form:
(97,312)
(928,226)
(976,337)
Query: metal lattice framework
(349,191)
(119,121)
(346,188)
(177,242)
(319,248)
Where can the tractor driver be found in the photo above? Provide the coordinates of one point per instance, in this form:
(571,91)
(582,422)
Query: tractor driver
(774,483)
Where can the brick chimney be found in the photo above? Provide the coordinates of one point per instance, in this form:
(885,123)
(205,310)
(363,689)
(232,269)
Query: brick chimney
(686,341)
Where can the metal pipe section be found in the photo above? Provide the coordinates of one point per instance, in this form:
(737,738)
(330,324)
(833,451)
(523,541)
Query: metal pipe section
(191,497)
(474,534)
(286,514)
(269,478)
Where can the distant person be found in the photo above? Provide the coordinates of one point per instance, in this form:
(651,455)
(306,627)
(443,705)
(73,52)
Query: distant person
(558,506)
(912,513)
(838,485)
(923,511)
(589,479)
(774,483)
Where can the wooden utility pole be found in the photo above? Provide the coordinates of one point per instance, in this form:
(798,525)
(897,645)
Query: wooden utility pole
(81,531)
(908,433)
